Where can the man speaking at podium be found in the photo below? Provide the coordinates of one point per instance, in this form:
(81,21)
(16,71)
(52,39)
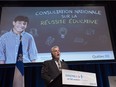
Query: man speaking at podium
(52,68)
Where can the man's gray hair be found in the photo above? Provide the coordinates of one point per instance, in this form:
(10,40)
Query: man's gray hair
(54,47)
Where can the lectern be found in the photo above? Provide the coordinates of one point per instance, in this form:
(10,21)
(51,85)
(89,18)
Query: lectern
(72,78)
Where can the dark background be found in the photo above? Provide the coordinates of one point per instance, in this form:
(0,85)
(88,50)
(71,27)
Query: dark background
(33,73)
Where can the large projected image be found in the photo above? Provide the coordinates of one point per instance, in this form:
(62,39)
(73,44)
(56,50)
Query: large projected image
(81,32)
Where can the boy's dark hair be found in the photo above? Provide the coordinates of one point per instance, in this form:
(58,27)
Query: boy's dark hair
(22,18)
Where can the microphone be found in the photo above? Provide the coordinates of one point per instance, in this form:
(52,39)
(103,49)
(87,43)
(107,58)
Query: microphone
(63,60)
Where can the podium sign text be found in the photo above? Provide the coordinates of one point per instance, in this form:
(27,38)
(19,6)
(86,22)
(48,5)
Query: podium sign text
(71,77)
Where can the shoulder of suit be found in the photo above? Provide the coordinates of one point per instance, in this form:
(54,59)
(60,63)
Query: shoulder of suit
(48,60)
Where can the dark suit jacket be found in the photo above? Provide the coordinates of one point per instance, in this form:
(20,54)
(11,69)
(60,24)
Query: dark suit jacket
(50,70)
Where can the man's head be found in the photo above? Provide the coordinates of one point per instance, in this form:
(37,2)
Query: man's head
(20,24)
(55,51)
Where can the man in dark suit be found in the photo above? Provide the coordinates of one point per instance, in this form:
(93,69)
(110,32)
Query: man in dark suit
(52,68)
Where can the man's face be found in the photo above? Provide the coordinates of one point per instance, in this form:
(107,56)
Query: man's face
(56,53)
(19,26)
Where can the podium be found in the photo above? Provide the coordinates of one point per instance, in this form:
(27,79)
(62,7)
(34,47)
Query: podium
(72,78)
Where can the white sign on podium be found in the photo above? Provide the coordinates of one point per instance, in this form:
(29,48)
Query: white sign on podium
(71,77)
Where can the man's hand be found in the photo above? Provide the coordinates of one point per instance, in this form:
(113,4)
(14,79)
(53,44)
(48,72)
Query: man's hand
(2,62)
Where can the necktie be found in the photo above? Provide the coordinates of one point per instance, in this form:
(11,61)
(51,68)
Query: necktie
(59,65)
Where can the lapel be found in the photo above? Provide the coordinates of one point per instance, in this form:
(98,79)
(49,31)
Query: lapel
(54,66)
